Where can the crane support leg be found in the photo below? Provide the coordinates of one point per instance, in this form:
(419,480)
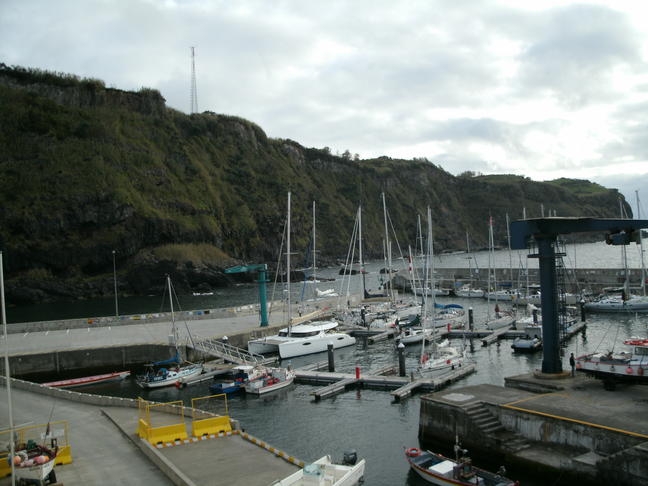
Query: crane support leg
(551,362)
(263,300)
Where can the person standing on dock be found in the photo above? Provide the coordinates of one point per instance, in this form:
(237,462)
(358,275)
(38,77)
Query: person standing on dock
(572,363)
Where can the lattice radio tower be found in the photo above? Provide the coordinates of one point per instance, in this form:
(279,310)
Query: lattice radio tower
(194,91)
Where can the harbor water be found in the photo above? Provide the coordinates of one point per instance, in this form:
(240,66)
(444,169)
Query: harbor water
(365,419)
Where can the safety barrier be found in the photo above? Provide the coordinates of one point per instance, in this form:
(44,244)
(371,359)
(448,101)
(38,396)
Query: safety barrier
(205,423)
(161,412)
(52,435)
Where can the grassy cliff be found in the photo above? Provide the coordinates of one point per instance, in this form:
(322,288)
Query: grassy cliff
(85,170)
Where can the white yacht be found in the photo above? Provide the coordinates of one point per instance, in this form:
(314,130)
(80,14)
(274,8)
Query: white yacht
(302,339)
(618,304)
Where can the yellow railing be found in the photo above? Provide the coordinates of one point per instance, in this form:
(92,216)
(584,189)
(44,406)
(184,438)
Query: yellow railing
(205,423)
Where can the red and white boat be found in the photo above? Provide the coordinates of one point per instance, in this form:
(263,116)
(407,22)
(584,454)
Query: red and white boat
(438,469)
(629,367)
(273,379)
(89,380)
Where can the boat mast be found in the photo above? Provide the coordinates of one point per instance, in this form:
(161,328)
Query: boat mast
(362,269)
(7,374)
(508,238)
(470,272)
(314,266)
(643,267)
(624,256)
(427,283)
(288,266)
(173,324)
(387,249)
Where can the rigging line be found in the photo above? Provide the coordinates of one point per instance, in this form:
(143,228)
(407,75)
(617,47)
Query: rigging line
(184,316)
(615,337)
(279,260)
(347,263)
(354,237)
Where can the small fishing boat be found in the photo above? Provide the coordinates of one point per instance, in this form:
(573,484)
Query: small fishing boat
(243,375)
(273,379)
(323,472)
(34,464)
(438,469)
(89,380)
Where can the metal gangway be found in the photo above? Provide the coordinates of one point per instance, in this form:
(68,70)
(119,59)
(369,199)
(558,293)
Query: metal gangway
(218,348)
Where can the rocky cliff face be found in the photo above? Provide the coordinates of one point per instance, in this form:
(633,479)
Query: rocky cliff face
(86,170)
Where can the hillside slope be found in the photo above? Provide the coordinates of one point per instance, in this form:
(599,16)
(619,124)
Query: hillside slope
(85,170)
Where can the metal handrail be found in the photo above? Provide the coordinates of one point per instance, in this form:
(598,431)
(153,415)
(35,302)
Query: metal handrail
(228,352)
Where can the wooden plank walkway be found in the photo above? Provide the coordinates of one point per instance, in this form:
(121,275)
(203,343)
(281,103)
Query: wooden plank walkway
(433,383)
(334,388)
(402,385)
(494,336)
(388,334)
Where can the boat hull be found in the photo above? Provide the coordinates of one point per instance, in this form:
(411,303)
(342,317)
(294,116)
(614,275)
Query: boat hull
(172,378)
(89,380)
(262,390)
(318,344)
(37,472)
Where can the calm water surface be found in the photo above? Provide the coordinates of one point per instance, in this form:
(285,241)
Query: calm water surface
(365,420)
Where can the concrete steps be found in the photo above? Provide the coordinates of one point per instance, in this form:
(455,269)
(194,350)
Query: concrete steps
(490,426)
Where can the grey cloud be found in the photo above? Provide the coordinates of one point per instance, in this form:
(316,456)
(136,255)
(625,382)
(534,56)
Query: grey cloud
(576,51)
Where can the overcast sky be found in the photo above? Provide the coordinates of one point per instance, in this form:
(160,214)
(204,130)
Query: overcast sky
(544,89)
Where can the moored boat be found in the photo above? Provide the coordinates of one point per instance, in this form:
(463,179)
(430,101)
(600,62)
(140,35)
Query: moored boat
(323,472)
(89,380)
(243,375)
(438,469)
(156,374)
(624,367)
(273,379)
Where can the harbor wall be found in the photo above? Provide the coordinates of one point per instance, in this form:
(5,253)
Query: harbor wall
(623,458)
(98,358)
(593,279)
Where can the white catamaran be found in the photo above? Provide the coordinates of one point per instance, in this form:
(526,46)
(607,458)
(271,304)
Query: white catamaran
(301,339)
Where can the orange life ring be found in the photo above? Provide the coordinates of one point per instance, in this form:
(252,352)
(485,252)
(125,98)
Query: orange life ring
(413,452)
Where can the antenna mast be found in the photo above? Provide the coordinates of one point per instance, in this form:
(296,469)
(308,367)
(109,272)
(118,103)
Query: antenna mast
(194,91)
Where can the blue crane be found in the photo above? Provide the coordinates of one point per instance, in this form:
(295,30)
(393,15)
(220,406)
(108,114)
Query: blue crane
(545,231)
(262,269)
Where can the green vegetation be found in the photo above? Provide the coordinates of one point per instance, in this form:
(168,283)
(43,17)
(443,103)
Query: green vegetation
(85,170)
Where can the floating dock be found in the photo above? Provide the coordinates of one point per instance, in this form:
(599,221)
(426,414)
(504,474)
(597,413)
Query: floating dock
(403,386)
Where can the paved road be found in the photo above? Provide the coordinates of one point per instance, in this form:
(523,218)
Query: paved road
(141,333)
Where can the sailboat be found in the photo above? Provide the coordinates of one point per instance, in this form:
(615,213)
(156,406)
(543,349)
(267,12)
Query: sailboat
(468,290)
(157,374)
(301,339)
(31,461)
(502,318)
(624,302)
(442,358)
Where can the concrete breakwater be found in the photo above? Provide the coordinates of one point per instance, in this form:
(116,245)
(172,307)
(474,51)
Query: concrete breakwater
(573,428)
(576,280)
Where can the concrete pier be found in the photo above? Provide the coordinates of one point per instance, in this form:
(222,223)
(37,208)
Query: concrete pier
(569,426)
(106,449)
